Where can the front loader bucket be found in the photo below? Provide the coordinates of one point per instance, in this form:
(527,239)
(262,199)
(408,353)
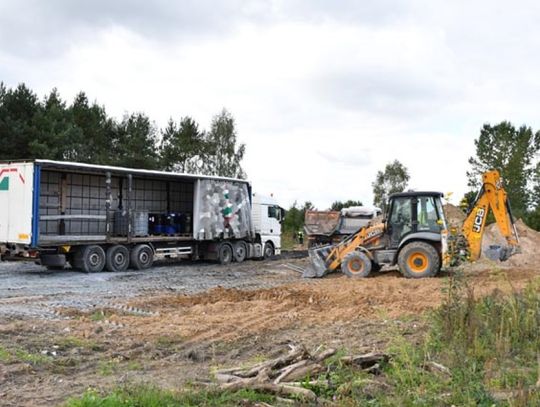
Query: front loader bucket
(317,266)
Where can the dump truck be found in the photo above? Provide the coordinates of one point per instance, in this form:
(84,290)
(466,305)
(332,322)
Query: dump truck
(330,227)
(414,236)
(97,217)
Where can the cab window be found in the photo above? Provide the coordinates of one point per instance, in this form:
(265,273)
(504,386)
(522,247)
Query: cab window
(274,212)
(426,215)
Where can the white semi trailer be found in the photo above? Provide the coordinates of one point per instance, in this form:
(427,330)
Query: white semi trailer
(97,217)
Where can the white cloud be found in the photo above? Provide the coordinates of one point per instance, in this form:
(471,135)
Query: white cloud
(324,94)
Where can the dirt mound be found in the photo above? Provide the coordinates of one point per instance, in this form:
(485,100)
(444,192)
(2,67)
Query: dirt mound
(454,215)
(529,243)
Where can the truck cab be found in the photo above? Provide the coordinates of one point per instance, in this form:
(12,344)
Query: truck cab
(267,216)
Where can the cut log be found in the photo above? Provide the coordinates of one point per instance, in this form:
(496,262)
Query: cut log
(435,367)
(302,371)
(365,361)
(225,378)
(277,389)
(324,355)
(284,372)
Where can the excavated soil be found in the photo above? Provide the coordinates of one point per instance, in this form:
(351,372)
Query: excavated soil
(131,328)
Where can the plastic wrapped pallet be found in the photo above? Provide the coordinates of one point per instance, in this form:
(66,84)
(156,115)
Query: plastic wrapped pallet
(223,210)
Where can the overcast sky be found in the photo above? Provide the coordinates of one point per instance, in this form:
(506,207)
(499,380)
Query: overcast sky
(324,93)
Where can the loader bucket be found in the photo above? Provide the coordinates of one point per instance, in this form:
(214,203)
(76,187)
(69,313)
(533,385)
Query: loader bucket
(500,253)
(317,266)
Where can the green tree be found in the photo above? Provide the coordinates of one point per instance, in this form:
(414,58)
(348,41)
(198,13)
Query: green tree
(393,179)
(338,205)
(223,156)
(183,147)
(55,131)
(18,109)
(135,142)
(512,152)
(294,217)
(92,137)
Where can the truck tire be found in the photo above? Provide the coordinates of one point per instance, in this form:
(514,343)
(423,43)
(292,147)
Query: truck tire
(225,253)
(90,259)
(268,250)
(240,251)
(117,258)
(356,265)
(142,257)
(418,260)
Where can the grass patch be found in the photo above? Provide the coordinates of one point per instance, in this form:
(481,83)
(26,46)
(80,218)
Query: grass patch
(108,367)
(5,356)
(33,358)
(139,396)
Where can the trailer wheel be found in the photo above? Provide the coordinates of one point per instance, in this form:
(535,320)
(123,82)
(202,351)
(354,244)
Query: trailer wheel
(90,259)
(117,258)
(419,259)
(356,265)
(268,250)
(225,253)
(240,251)
(142,257)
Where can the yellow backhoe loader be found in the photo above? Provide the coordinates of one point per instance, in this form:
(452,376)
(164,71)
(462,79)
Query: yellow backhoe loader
(414,235)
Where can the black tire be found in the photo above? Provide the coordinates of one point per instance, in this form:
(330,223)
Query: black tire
(117,258)
(142,257)
(240,251)
(419,260)
(90,259)
(356,265)
(268,250)
(225,253)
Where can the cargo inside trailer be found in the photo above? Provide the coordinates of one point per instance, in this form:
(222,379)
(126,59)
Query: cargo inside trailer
(73,206)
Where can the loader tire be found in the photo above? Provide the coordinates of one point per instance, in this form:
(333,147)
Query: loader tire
(356,265)
(419,260)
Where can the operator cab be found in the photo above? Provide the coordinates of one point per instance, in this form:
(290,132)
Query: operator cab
(414,215)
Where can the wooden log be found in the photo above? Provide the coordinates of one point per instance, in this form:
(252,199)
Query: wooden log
(365,361)
(277,389)
(324,355)
(288,369)
(302,371)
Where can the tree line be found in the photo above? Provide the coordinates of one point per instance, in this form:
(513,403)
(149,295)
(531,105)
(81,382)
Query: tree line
(513,151)
(82,131)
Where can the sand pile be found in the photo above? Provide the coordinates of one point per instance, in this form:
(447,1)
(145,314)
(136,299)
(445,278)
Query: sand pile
(454,215)
(529,243)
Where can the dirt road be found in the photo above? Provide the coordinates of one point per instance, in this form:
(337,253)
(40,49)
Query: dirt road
(64,332)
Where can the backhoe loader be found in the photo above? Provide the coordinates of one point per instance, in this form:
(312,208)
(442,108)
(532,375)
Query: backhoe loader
(415,236)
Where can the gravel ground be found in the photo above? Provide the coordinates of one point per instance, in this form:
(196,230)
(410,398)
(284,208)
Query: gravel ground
(31,291)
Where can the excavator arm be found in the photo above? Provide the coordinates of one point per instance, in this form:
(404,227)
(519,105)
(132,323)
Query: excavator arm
(492,195)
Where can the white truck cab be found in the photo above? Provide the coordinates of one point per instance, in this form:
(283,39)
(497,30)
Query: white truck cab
(267,216)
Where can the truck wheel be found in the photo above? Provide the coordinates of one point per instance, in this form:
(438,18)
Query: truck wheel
(419,259)
(356,265)
(225,254)
(268,250)
(240,251)
(142,257)
(90,259)
(117,258)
